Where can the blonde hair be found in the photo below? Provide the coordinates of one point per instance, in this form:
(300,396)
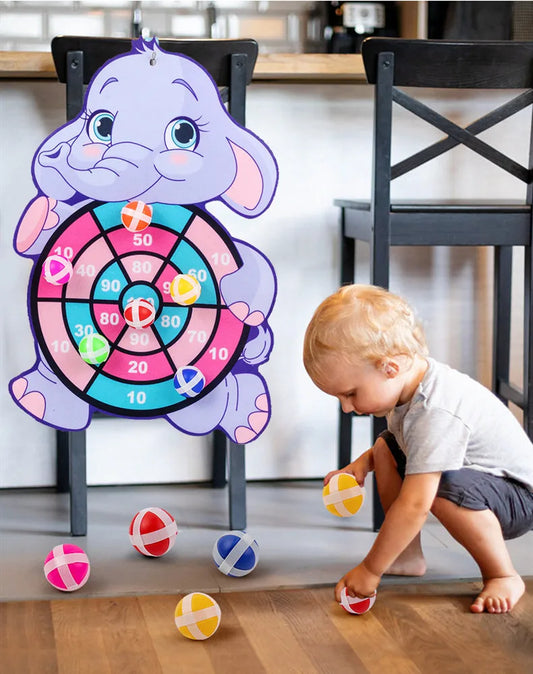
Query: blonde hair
(361,322)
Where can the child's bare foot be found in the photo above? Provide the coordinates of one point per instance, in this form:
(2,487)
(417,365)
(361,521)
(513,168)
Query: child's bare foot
(499,595)
(410,562)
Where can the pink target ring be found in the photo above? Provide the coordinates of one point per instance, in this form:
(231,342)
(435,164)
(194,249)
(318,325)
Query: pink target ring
(139,313)
(67,567)
(356,605)
(57,270)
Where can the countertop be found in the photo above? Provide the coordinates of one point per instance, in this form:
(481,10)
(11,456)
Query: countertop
(269,67)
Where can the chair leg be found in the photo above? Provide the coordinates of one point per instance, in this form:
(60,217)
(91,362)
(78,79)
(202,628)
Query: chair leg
(528,341)
(78,483)
(218,475)
(347,259)
(378,426)
(237,487)
(501,345)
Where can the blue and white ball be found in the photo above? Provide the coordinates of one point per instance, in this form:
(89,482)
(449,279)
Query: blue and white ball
(236,553)
(189,381)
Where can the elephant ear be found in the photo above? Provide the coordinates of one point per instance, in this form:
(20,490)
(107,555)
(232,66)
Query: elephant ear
(255,179)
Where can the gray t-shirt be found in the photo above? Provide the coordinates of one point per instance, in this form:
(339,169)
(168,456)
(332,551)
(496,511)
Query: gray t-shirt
(453,421)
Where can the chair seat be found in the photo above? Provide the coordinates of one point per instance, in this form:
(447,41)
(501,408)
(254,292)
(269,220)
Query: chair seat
(490,223)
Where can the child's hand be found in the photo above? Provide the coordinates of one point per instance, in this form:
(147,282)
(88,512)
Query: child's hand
(358,468)
(359,582)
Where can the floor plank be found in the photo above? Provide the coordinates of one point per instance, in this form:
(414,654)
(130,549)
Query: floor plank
(27,638)
(412,629)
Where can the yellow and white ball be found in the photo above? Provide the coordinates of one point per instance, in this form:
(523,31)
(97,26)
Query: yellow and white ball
(185,289)
(342,495)
(197,616)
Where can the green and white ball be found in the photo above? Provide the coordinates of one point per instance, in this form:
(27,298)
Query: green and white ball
(94,349)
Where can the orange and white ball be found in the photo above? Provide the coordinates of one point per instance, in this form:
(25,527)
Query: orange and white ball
(185,289)
(153,532)
(139,313)
(136,216)
(342,495)
(356,605)
(197,616)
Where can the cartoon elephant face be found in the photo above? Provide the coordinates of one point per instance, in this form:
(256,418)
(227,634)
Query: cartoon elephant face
(159,133)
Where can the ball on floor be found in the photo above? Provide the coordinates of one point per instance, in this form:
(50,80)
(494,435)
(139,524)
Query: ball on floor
(153,532)
(94,348)
(197,616)
(67,567)
(356,605)
(342,495)
(185,289)
(236,553)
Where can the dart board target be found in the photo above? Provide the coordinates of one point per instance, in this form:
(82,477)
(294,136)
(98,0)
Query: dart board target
(113,266)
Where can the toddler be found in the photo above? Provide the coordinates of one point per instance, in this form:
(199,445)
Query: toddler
(452,447)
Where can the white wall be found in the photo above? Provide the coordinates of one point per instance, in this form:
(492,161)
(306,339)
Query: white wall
(321,137)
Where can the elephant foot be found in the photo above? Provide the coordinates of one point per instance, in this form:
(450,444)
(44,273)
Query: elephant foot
(40,394)
(256,421)
(239,406)
(248,410)
(242,311)
(39,216)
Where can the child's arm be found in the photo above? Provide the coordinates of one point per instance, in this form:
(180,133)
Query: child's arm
(403,521)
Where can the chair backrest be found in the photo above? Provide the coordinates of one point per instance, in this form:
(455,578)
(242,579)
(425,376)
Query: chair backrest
(229,62)
(393,62)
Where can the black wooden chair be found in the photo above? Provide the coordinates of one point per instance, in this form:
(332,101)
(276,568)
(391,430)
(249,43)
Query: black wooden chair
(231,64)
(381,223)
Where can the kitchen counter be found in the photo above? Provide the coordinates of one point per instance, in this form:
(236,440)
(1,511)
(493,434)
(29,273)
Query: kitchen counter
(346,68)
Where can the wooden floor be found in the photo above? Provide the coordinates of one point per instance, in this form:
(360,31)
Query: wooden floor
(411,628)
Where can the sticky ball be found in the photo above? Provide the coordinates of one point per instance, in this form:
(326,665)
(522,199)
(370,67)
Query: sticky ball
(153,532)
(136,216)
(236,553)
(57,270)
(356,605)
(342,495)
(189,381)
(94,348)
(139,313)
(67,567)
(197,616)
(185,289)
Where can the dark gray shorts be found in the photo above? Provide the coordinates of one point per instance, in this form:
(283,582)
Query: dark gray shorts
(509,500)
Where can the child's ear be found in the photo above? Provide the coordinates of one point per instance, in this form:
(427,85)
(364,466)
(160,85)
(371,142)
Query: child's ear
(390,367)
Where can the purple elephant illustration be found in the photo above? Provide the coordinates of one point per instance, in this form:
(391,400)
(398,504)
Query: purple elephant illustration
(153,131)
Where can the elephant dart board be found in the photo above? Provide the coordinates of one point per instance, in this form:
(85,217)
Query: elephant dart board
(126,306)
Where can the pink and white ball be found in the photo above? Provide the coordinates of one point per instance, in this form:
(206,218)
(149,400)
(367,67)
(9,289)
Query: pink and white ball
(356,605)
(67,567)
(57,270)
(153,532)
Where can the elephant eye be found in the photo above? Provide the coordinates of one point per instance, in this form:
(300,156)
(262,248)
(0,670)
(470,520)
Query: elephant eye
(181,133)
(99,127)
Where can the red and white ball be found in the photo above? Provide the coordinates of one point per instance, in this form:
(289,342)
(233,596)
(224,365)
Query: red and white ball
(136,216)
(153,532)
(67,567)
(356,605)
(57,270)
(139,313)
